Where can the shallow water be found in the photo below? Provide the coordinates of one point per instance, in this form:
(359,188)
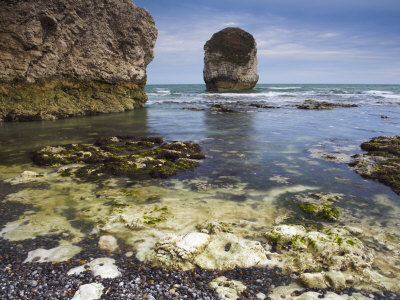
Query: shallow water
(254,161)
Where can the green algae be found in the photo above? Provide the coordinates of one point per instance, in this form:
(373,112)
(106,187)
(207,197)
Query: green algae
(381,162)
(155,216)
(122,156)
(57,99)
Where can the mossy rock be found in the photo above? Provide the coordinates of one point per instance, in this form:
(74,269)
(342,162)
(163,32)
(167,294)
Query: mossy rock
(381,162)
(324,212)
(122,156)
(57,99)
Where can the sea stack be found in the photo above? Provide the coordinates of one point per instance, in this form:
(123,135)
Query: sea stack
(62,58)
(230,61)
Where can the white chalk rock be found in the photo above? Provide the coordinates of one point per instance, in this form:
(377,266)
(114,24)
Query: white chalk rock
(108,242)
(90,291)
(227,289)
(178,252)
(57,254)
(227,251)
(103,267)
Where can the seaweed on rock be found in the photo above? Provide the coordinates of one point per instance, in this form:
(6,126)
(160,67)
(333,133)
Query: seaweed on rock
(381,162)
(123,156)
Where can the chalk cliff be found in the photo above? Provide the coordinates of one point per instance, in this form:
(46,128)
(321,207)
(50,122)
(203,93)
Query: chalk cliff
(61,58)
(230,60)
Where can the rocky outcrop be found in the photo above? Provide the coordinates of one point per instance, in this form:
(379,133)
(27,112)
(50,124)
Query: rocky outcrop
(67,58)
(381,162)
(230,61)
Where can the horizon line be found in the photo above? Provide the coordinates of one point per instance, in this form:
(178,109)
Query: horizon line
(283,83)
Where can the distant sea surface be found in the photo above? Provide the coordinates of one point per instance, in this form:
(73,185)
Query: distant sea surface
(277,94)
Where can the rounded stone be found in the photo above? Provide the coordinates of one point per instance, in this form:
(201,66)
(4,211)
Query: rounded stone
(108,242)
(230,60)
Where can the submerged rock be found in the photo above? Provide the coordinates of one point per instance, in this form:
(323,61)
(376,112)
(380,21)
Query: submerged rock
(134,157)
(108,242)
(226,288)
(68,58)
(381,162)
(319,205)
(319,105)
(193,108)
(230,60)
(222,108)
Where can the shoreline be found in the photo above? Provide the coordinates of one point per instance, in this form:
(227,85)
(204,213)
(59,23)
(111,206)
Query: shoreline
(138,281)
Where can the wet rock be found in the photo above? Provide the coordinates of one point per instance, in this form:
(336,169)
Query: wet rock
(108,242)
(331,249)
(262,105)
(230,60)
(381,162)
(227,289)
(192,108)
(313,280)
(126,156)
(222,108)
(214,227)
(319,205)
(320,105)
(69,58)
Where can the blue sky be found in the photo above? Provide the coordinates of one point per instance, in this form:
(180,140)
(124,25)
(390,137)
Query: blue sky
(298,41)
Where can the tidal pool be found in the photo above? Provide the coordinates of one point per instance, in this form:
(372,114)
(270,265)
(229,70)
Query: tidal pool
(256,163)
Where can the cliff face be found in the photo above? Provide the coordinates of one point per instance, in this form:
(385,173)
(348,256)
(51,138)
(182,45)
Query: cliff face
(61,58)
(230,60)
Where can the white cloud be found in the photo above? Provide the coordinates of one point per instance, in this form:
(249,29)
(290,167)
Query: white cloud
(329,34)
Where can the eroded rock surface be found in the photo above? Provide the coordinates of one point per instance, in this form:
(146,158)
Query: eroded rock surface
(226,288)
(381,162)
(230,61)
(66,58)
(127,156)
(220,251)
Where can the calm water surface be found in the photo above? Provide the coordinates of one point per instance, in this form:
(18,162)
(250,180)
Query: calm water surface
(253,157)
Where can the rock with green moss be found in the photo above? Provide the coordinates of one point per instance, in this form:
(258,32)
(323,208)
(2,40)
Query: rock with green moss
(312,210)
(67,58)
(319,205)
(330,249)
(230,60)
(381,161)
(122,156)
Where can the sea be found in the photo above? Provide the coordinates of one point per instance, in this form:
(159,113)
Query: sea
(256,161)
